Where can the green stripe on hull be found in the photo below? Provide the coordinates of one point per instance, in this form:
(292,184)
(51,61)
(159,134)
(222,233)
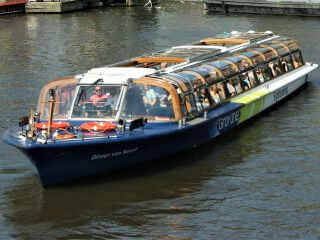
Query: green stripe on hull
(253,104)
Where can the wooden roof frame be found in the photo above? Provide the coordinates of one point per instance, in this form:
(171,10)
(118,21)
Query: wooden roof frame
(223,41)
(151,59)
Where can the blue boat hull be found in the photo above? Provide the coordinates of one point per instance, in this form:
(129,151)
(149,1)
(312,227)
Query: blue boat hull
(61,161)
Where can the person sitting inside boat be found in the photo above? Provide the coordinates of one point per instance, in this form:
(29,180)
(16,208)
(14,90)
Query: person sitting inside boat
(150,98)
(245,64)
(98,98)
(260,75)
(113,97)
(231,89)
(214,92)
(284,65)
(273,70)
(247,84)
(96,105)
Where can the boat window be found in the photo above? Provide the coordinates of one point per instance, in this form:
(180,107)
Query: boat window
(260,76)
(286,63)
(267,52)
(144,100)
(275,68)
(204,99)
(97,101)
(191,79)
(64,96)
(241,61)
(293,46)
(215,93)
(248,80)
(222,91)
(204,71)
(266,73)
(213,76)
(297,60)
(238,84)
(191,104)
(226,68)
(254,56)
(230,88)
(280,48)
(178,80)
(198,98)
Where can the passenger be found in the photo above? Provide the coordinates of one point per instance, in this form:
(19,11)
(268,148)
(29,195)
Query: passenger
(98,98)
(273,70)
(238,86)
(163,96)
(204,98)
(278,69)
(260,76)
(214,92)
(297,61)
(133,103)
(231,89)
(151,98)
(214,75)
(113,97)
(284,65)
(246,81)
(252,79)
(245,64)
(289,63)
(221,91)
(163,65)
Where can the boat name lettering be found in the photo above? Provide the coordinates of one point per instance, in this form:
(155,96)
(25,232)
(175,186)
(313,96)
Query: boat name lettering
(228,120)
(279,94)
(114,154)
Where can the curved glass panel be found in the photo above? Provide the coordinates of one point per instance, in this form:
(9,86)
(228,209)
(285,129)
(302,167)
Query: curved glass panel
(64,96)
(255,57)
(280,48)
(143,100)
(180,81)
(293,46)
(268,53)
(226,68)
(192,79)
(214,75)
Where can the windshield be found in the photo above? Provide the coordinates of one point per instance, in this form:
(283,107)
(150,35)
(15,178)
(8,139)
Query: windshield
(96,101)
(152,102)
(64,95)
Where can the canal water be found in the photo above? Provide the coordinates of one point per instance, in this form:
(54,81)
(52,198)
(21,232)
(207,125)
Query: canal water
(261,181)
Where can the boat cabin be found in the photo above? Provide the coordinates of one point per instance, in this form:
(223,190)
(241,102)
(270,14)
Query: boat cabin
(140,87)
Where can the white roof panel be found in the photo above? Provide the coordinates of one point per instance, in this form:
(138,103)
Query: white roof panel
(114,75)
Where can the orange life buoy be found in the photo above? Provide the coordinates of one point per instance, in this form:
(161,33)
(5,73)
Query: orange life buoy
(98,126)
(54,125)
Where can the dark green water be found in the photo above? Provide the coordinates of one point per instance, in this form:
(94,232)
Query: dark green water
(259,182)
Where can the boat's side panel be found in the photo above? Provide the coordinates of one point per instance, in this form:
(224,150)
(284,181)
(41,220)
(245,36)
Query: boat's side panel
(62,163)
(270,93)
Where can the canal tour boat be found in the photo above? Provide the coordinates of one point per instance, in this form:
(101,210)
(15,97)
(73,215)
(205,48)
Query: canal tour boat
(157,104)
